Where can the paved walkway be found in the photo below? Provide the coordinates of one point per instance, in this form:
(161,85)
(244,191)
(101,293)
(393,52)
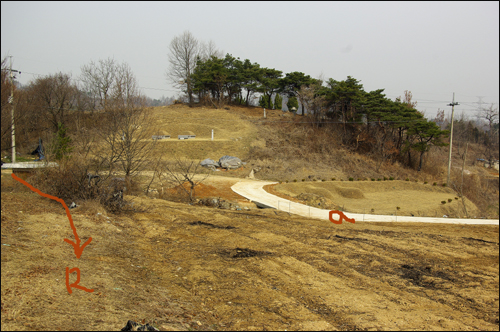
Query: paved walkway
(252,190)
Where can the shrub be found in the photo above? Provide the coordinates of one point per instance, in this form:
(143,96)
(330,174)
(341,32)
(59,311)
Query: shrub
(407,179)
(397,207)
(456,198)
(443,202)
(379,179)
(372,210)
(391,178)
(426,182)
(333,179)
(373,179)
(71,182)
(351,179)
(449,200)
(434,184)
(385,179)
(303,180)
(295,180)
(444,184)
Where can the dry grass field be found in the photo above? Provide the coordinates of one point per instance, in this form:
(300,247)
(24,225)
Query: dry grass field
(180,266)
(386,197)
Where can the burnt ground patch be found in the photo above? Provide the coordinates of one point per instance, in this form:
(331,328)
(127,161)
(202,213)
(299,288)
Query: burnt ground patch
(415,274)
(479,240)
(243,253)
(201,223)
(340,237)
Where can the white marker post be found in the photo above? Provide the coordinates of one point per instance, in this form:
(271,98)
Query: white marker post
(212,134)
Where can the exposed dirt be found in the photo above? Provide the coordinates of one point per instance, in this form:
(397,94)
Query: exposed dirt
(184,267)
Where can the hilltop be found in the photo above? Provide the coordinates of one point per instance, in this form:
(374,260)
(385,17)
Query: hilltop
(281,148)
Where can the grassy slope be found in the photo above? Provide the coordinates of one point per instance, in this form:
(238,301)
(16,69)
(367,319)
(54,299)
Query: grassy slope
(270,146)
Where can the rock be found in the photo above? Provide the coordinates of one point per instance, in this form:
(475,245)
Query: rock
(133,326)
(251,175)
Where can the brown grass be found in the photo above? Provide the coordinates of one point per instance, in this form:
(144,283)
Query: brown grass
(385,197)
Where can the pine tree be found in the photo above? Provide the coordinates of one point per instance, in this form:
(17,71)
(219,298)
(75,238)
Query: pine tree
(292,103)
(278,102)
(61,142)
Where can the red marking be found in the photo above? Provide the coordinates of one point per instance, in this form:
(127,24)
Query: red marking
(75,284)
(76,246)
(341,216)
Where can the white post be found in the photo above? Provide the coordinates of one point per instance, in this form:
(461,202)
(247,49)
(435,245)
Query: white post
(212,134)
(264,113)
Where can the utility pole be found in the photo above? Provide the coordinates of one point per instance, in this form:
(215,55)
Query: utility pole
(11,101)
(451,138)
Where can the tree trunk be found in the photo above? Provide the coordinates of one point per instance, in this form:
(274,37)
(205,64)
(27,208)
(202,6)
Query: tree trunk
(421,159)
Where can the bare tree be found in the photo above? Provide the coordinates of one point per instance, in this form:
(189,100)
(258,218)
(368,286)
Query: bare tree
(491,141)
(127,139)
(312,101)
(54,95)
(209,50)
(179,172)
(184,52)
(99,81)
(126,90)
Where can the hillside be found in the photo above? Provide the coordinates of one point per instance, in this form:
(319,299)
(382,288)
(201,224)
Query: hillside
(180,266)
(274,148)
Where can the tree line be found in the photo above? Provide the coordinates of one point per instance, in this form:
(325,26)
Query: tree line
(367,122)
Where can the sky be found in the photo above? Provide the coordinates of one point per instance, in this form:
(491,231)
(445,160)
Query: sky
(433,49)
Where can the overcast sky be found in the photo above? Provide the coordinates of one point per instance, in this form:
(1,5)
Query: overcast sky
(429,48)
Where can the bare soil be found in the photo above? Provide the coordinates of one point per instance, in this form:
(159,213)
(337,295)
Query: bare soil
(183,267)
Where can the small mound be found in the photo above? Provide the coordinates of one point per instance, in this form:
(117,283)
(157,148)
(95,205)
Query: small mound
(350,192)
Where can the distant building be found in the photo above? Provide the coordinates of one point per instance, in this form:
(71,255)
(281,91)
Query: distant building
(187,135)
(162,135)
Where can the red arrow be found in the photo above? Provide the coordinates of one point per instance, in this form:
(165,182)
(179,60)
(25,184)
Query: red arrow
(76,246)
(341,216)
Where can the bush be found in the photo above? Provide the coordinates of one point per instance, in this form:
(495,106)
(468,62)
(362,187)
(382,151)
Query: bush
(391,178)
(295,180)
(351,179)
(71,182)
(303,180)
(373,179)
(407,179)
(379,179)
(444,184)
(426,182)
(398,208)
(443,202)
(449,200)
(385,179)
(434,184)
(333,179)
